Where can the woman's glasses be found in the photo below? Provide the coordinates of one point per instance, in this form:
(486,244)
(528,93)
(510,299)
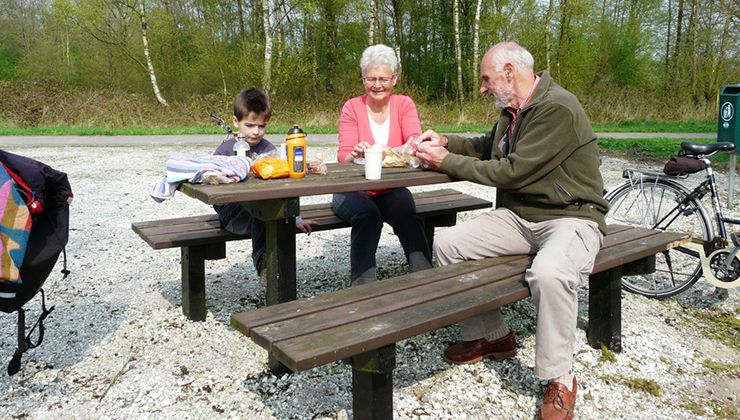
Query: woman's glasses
(370,81)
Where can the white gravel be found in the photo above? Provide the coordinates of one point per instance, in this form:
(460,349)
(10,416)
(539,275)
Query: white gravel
(118,347)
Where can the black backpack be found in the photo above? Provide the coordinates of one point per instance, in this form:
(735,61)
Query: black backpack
(47,195)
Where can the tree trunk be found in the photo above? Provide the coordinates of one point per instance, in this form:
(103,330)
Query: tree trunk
(668,36)
(240,10)
(721,53)
(330,22)
(371,27)
(548,24)
(267,69)
(149,64)
(458,52)
(398,23)
(314,57)
(476,41)
(679,20)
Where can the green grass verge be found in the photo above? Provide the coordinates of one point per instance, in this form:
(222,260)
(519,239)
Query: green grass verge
(661,148)
(639,126)
(280,128)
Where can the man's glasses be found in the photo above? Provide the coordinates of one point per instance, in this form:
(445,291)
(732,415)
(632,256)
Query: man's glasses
(370,81)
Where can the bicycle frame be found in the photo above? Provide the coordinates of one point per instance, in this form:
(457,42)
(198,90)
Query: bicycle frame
(720,251)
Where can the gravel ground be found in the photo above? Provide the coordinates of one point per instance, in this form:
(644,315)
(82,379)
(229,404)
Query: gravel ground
(118,347)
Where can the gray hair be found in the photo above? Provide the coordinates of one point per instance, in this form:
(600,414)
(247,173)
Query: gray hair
(511,52)
(379,56)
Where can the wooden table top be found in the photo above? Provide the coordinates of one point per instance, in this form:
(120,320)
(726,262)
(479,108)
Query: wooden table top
(341,177)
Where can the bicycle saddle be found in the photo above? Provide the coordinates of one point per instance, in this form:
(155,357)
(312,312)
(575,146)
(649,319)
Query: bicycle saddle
(692,148)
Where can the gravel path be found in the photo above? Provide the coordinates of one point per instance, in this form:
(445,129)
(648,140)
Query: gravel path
(118,347)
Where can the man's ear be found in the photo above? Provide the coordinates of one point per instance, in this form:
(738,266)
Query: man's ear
(235,121)
(509,71)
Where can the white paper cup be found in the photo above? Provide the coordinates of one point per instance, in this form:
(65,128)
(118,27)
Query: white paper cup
(373,162)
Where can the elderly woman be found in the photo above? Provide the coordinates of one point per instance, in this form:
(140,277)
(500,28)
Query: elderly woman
(379,117)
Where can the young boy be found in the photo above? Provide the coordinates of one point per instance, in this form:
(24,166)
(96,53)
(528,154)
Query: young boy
(252,112)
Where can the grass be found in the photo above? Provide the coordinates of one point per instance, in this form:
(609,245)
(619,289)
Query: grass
(660,148)
(722,326)
(649,386)
(640,126)
(279,127)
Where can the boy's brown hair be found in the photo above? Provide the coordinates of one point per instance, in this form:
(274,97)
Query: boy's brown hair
(252,100)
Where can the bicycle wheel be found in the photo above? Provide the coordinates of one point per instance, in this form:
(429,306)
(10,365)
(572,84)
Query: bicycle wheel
(659,203)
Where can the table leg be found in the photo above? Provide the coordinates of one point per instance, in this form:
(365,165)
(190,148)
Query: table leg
(280,266)
(280,269)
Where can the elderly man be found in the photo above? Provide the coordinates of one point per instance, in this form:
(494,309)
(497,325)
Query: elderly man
(542,157)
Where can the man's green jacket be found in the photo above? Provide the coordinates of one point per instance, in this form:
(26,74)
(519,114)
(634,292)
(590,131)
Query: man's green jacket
(552,168)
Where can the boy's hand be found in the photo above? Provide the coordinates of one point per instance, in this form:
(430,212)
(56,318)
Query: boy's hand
(305,226)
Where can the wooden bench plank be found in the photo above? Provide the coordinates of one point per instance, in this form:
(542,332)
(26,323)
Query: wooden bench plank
(307,333)
(245,321)
(409,298)
(202,237)
(253,319)
(206,229)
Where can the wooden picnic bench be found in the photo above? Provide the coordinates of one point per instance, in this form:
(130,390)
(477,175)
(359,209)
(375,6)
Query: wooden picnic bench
(202,238)
(364,323)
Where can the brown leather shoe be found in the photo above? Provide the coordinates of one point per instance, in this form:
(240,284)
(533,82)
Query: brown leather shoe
(473,351)
(559,403)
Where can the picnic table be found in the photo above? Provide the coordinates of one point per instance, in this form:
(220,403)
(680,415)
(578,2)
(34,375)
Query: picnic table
(277,202)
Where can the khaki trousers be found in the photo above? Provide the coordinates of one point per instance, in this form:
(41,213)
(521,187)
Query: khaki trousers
(565,252)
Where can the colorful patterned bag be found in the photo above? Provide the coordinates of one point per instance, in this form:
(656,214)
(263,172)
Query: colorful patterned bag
(15,228)
(46,194)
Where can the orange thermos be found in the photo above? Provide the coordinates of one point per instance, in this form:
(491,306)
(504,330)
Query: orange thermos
(296,148)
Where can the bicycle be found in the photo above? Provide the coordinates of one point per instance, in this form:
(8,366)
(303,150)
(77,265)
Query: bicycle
(221,123)
(660,201)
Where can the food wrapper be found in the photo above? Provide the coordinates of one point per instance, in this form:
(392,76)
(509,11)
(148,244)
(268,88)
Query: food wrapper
(316,166)
(270,167)
(393,158)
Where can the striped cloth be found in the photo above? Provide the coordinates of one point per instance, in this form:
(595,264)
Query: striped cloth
(212,169)
(15,228)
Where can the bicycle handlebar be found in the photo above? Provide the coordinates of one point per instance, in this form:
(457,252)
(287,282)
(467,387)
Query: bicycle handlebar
(221,123)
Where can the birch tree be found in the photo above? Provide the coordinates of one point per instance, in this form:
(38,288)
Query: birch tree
(147,55)
(267,67)
(371,26)
(476,41)
(548,24)
(458,51)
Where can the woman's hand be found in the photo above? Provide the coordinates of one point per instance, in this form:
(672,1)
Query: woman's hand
(358,151)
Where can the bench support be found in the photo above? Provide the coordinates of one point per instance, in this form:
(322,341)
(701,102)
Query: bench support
(193,275)
(432,222)
(605,310)
(372,383)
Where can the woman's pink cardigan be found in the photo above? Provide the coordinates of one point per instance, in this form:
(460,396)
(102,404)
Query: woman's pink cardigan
(354,124)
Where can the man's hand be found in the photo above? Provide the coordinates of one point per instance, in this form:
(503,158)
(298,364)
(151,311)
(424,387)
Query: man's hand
(433,138)
(432,151)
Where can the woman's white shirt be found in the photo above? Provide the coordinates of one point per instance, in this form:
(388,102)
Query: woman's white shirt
(381,132)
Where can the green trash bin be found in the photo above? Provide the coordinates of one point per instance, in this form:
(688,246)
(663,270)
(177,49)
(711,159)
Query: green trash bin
(728,128)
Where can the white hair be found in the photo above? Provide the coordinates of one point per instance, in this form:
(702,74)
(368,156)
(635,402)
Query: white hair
(510,52)
(379,56)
